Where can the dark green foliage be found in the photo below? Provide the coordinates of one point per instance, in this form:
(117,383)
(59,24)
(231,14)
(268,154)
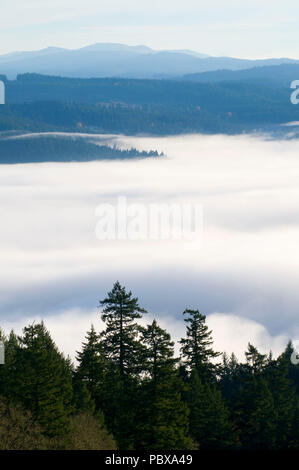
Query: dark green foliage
(254,414)
(91,367)
(159,107)
(210,426)
(120,406)
(196,350)
(120,338)
(128,384)
(41,380)
(44,148)
(123,351)
(158,352)
(169,416)
(82,397)
(163,417)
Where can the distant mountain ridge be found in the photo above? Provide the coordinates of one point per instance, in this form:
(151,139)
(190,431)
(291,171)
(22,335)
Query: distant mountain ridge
(118,60)
(274,75)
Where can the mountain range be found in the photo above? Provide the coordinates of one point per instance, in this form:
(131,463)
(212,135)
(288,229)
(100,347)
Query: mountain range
(118,60)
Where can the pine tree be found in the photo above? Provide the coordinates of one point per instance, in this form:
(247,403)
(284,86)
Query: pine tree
(196,349)
(285,401)
(91,366)
(7,370)
(120,406)
(82,398)
(253,406)
(210,426)
(120,338)
(162,421)
(123,353)
(42,380)
(255,360)
(170,416)
(228,373)
(158,352)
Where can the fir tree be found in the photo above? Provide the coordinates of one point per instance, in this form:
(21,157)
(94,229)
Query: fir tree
(253,405)
(255,360)
(283,391)
(196,350)
(158,352)
(120,338)
(82,398)
(43,380)
(91,366)
(210,426)
(162,421)
(8,370)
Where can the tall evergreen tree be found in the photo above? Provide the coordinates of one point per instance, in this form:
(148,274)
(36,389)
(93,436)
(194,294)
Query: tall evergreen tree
(210,426)
(42,380)
(8,370)
(91,367)
(162,421)
(169,421)
(253,406)
(158,352)
(120,338)
(285,400)
(120,406)
(255,360)
(123,353)
(254,414)
(196,348)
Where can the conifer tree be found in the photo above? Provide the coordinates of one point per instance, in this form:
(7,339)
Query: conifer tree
(196,348)
(253,406)
(81,397)
(170,416)
(255,415)
(91,366)
(285,401)
(43,380)
(120,338)
(7,370)
(120,406)
(210,426)
(123,353)
(163,417)
(158,352)
(255,360)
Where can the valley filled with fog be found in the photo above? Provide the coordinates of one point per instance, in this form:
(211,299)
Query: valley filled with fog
(243,277)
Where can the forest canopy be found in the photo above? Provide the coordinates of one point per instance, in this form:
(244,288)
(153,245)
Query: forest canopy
(129,390)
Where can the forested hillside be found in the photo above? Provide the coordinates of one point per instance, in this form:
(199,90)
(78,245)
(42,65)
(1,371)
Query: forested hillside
(129,384)
(47,148)
(152,107)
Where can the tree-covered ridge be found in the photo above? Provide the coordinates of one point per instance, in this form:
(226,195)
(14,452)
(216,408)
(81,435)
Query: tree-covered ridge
(153,107)
(45,148)
(129,384)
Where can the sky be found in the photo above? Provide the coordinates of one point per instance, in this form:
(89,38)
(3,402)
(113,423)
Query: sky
(243,275)
(247,29)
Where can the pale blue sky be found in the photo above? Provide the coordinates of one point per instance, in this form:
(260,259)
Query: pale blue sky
(243,28)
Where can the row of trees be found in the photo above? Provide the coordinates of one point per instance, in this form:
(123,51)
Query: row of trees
(128,383)
(62,149)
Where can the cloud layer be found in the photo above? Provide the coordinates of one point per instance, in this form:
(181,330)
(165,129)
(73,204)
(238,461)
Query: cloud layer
(246,270)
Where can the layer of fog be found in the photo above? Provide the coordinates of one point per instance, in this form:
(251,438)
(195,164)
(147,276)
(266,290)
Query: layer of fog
(244,277)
